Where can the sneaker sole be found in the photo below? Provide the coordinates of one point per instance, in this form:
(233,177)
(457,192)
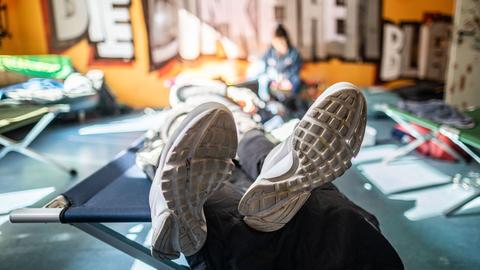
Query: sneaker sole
(194,166)
(324,142)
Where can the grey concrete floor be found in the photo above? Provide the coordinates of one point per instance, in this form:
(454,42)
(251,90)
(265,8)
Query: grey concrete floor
(433,243)
(53,246)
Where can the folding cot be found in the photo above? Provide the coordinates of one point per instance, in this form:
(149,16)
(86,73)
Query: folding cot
(16,116)
(112,194)
(467,139)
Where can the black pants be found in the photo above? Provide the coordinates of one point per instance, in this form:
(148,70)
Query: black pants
(329,232)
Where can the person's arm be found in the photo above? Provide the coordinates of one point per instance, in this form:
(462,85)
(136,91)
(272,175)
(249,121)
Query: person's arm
(259,67)
(294,68)
(291,72)
(264,61)
(267,55)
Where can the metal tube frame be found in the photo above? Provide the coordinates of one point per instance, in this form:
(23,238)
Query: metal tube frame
(419,140)
(452,210)
(449,132)
(22,146)
(97,230)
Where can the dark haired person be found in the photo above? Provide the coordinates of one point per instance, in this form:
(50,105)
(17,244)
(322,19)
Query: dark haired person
(282,63)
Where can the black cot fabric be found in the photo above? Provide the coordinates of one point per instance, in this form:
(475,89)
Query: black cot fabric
(252,151)
(116,193)
(329,232)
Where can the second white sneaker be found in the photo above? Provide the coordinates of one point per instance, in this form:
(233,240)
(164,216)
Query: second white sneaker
(319,150)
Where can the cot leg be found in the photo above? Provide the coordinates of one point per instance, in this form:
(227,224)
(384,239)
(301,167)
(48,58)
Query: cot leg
(452,210)
(8,146)
(419,138)
(22,146)
(404,150)
(465,148)
(37,129)
(35,155)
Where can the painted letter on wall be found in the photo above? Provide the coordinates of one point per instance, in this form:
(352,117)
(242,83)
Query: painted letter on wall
(107,23)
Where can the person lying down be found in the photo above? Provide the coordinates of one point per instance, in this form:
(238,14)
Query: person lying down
(227,198)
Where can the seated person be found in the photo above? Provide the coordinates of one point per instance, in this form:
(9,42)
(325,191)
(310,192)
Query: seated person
(280,66)
(290,217)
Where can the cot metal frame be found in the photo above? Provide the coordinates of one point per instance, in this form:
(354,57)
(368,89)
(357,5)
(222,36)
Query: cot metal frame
(22,146)
(452,133)
(418,140)
(100,231)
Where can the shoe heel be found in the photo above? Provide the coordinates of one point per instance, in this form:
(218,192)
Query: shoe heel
(165,242)
(278,217)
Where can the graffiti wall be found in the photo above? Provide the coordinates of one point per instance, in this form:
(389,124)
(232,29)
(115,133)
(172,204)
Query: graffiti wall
(105,23)
(348,30)
(319,29)
(144,42)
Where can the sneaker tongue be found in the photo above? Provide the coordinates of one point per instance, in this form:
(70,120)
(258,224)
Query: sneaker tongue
(279,161)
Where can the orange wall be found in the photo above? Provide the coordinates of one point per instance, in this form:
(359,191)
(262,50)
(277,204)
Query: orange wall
(132,84)
(25,22)
(135,85)
(404,10)
(11,44)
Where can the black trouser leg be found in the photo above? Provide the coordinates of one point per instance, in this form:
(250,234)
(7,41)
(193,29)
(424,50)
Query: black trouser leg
(252,151)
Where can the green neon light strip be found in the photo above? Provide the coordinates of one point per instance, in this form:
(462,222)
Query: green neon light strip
(45,66)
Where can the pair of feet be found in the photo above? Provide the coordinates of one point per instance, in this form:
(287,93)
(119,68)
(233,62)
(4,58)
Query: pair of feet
(197,159)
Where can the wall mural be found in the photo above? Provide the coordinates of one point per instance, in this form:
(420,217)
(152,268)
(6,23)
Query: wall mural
(414,50)
(161,19)
(351,30)
(105,23)
(319,29)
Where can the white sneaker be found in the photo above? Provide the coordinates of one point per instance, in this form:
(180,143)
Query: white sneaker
(243,121)
(319,150)
(196,159)
(148,157)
